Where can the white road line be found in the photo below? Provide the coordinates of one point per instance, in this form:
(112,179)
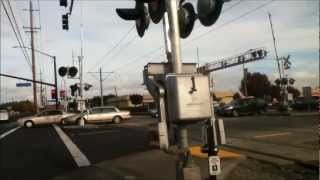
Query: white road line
(76,153)
(9,132)
(99,132)
(271,135)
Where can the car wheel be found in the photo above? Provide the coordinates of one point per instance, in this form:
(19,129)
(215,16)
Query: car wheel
(116,120)
(78,121)
(28,124)
(62,122)
(235,113)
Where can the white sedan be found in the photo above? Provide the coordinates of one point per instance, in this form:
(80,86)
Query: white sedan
(99,114)
(44,117)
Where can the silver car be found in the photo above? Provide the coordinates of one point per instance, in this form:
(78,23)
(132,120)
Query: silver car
(44,117)
(99,114)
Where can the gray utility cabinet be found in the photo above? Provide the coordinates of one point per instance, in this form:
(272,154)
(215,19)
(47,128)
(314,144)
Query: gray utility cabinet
(188,97)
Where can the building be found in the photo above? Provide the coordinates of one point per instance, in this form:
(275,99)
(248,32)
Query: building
(124,102)
(224,96)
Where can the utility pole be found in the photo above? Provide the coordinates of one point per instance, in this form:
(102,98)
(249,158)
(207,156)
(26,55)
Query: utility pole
(101,88)
(35,99)
(245,72)
(0,53)
(41,90)
(115,90)
(101,83)
(198,60)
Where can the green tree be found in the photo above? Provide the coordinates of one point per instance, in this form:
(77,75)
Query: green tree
(136,99)
(258,85)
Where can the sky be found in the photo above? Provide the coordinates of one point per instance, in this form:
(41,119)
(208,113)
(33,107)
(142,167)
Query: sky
(113,45)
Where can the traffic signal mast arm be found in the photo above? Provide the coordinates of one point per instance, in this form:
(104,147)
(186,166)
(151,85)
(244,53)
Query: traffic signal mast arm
(248,56)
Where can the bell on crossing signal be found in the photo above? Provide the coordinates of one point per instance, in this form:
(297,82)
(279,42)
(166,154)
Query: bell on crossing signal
(139,14)
(63,71)
(72,72)
(209,11)
(156,10)
(187,17)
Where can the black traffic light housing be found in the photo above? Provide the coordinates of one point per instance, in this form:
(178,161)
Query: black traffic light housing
(187,18)
(156,9)
(139,14)
(63,3)
(208,12)
(65,22)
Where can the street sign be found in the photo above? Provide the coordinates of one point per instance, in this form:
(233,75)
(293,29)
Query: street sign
(23,84)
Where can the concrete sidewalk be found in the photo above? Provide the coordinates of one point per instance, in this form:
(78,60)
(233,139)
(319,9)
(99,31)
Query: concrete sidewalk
(149,165)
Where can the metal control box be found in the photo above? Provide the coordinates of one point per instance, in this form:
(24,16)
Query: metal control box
(188,98)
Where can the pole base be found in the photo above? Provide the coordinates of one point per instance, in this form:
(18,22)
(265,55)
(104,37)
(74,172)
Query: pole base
(190,172)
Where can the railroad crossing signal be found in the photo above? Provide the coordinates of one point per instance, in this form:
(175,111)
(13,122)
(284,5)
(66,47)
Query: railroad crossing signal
(70,71)
(208,13)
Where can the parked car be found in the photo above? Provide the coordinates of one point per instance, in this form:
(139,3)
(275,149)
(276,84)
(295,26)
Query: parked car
(244,106)
(99,114)
(4,115)
(44,117)
(302,103)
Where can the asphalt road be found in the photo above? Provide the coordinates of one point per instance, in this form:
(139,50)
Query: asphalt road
(289,137)
(41,153)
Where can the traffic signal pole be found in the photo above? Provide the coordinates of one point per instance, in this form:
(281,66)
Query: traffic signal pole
(185,169)
(56,81)
(35,99)
(172,10)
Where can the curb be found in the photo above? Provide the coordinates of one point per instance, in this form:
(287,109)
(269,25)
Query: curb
(274,156)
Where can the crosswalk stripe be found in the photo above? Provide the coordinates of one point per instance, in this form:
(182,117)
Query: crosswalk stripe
(9,132)
(76,153)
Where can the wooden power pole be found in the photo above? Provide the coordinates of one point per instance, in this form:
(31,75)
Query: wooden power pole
(35,99)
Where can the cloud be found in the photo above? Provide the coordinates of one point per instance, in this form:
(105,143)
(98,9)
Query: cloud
(295,23)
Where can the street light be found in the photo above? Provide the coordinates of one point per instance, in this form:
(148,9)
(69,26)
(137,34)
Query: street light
(55,69)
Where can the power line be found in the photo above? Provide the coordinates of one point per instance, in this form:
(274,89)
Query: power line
(114,47)
(231,21)
(15,33)
(204,34)
(120,50)
(18,30)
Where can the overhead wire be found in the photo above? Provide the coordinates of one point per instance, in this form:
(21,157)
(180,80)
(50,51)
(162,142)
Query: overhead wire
(111,49)
(161,47)
(121,49)
(18,29)
(16,34)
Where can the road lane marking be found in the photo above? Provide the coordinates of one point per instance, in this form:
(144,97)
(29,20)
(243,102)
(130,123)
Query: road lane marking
(196,151)
(9,132)
(99,132)
(272,135)
(76,153)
